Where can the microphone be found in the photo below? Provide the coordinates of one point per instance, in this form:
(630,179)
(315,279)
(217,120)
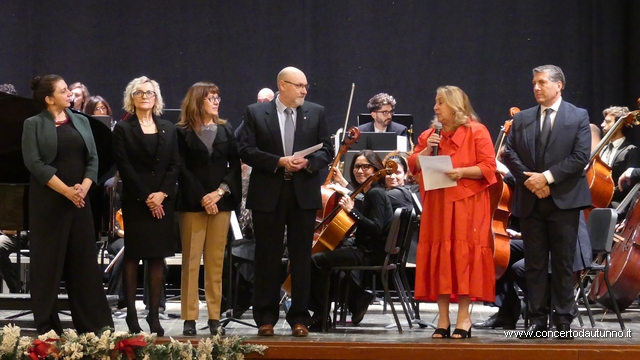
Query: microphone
(438,126)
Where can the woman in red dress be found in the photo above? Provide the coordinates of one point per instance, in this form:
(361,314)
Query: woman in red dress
(454,259)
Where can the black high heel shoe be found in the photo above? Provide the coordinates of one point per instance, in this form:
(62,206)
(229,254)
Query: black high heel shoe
(444,333)
(155,327)
(133,325)
(214,327)
(189,328)
(462,332)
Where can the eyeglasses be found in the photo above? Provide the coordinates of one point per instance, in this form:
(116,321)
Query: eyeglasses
(214,98)
(101,109)
(298,86)
(140,93)
(385,113)
(364,167)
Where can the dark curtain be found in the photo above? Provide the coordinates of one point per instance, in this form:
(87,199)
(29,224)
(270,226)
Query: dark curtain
(405,48)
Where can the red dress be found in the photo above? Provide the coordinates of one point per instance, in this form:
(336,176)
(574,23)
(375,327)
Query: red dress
(454,253)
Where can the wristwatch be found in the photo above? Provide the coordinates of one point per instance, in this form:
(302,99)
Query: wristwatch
(220,192)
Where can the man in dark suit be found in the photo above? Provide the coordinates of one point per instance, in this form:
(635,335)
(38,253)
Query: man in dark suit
(547,151)
(620,154)
(382,107)
(284,189)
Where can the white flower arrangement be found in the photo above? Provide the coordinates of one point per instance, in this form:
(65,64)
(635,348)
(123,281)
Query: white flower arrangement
(118,345)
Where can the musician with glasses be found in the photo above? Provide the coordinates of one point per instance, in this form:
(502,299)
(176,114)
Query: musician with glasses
(148,161)
(382,106)
(284,189)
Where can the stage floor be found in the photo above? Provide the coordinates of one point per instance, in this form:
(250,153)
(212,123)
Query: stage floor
(377,337)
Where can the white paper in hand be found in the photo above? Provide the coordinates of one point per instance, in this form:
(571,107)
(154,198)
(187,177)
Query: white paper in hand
(307,151)
(433,171)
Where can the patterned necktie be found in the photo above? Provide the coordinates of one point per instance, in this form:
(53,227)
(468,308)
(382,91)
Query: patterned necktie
(546,129)
(289,132)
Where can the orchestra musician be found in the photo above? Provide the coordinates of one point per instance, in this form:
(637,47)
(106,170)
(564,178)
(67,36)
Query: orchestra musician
(454,258)
(59,150)
(265,95)
(148,161)
(547,151)
(80,95)
(372,214)
(284,190)
(382,106)
(209,189)
(396,185)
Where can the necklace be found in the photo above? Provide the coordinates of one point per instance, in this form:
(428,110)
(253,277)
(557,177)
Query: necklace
(147,125)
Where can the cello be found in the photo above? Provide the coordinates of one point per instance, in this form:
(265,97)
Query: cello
(330,198)
(599,176)
(501,201)
(338,224)
(624,267)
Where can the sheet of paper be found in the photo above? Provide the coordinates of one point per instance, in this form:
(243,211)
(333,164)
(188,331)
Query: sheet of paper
(433,172)
(402,143)
(307,151)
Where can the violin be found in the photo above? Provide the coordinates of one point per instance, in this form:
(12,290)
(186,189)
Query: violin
(501,202)
(338,224)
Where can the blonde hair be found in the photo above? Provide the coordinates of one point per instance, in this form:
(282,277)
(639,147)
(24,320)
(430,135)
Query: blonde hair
(192,114)
(459,102)
(133,87)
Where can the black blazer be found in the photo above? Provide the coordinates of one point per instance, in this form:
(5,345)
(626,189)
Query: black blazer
(627,156)
(201,173)
(393,127)
(567,154)
(260,146)
(143,173)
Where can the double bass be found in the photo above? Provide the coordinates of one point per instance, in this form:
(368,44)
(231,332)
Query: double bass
(501,201)
(338,224)
(624,268)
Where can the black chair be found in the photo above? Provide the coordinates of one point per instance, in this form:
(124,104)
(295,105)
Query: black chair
(601,226)
(409,225)
(386,270)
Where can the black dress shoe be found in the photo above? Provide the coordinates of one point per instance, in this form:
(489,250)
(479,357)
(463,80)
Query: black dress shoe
(362,304)
(534,331)
(495,321)
(564,332)
(189,328)
(316,324)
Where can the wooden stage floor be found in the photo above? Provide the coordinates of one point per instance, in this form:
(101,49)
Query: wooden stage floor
(378,338)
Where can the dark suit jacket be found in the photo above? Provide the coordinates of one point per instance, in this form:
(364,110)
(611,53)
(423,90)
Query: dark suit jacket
(260,146)
(201,173)
(40,145)
(627,156)
(393,127)
(143,173)
(567,154)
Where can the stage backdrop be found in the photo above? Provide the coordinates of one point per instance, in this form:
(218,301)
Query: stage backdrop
(405,48)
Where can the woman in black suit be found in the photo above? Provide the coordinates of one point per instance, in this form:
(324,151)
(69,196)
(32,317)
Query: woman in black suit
(147,158)
(210,188)
(59,151)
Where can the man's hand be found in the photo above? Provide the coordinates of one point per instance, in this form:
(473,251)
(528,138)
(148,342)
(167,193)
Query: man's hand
(535,182)
(625,179)
(544,192)
(293,164)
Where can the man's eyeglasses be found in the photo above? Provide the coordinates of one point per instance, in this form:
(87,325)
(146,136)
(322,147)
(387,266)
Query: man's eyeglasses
(298,86)
(140,93)
(214,98)
(364,167)
(385,113)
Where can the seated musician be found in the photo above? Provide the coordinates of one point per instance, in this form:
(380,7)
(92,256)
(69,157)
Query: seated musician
(373,219)
(8,273)
(382,107)
(620,154)
(397,188)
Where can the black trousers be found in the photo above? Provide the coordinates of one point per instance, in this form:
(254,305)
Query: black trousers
(507,298)
(550,230)
(269,233)
(65,245)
